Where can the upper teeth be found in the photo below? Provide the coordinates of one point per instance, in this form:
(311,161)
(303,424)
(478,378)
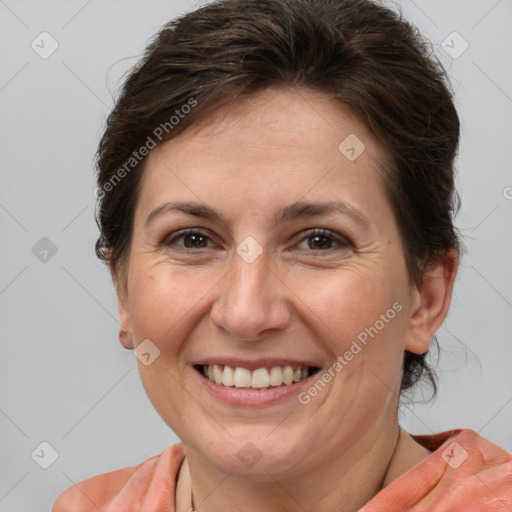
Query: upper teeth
(260,378)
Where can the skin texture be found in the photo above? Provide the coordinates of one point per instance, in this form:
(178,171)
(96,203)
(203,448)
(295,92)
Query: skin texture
(296,300)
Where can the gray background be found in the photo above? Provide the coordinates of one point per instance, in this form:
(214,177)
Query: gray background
(64,377)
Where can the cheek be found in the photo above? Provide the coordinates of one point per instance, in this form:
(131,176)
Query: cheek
(162,298)
(360,313)
(350,300)
(163,304)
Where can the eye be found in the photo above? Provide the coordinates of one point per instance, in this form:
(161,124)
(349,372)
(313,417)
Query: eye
(319,240)
(192,239)
(325,240)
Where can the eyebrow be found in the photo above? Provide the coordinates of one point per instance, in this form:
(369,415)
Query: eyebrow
(291,212)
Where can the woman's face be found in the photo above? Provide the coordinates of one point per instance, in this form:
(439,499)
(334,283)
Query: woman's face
(261,289)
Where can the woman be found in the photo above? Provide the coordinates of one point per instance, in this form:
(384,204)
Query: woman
(276,193)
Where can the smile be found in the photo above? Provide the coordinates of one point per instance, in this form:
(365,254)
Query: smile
(260,378)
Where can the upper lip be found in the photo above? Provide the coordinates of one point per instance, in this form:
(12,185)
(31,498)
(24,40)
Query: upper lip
(254,364)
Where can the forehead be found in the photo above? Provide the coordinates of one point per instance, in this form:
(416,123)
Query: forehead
(266,147)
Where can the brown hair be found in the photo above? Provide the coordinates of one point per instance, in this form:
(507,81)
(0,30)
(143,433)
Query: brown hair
(360,52)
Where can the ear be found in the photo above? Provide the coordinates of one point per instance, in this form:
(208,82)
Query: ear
(431,302)
(125,330)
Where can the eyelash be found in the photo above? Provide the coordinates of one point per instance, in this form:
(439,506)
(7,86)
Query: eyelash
(341,241)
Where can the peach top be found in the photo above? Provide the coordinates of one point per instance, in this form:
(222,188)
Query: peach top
(465,473)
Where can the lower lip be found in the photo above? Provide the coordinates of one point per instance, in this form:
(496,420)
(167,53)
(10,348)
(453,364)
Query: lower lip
(239,396)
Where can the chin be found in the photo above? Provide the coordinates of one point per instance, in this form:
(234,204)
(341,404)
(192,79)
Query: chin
(257,454)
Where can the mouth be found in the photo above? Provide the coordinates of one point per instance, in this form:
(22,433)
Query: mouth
(260,379)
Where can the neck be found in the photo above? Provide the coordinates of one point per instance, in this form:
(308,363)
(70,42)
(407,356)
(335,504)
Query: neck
(342,483)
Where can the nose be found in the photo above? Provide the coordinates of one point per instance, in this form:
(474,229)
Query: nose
(252,300)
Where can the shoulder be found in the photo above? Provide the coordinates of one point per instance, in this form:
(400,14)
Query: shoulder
(464,443)
(470,469)
(94,493)
(483,456)
(128,485)
(464,472)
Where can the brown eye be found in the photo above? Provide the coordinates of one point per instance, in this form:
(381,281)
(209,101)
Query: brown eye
(324,240)
(320,242)
(192,239)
